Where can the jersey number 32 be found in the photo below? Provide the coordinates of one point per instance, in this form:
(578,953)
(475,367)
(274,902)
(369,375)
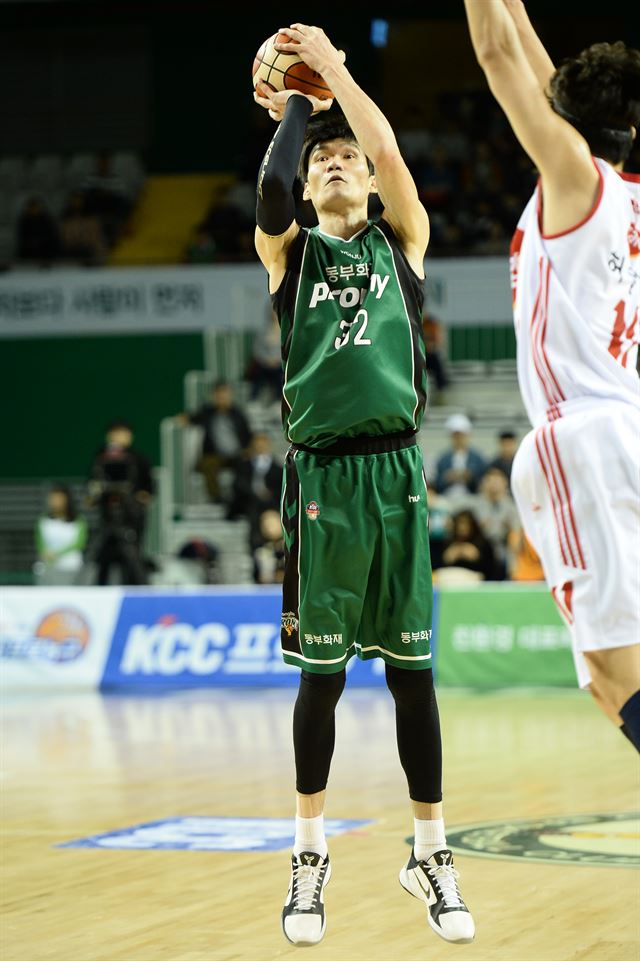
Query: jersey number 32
(359,339)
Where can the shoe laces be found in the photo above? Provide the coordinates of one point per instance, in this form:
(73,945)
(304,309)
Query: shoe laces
(307,883)
(446,877)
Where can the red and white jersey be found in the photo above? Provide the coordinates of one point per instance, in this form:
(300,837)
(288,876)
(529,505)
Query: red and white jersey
(576,301)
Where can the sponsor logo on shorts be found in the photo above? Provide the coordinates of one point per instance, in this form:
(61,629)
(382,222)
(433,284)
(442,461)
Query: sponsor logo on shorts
(323,638)
(408,636)
(312,510)
(592,839)
(289,622)
(414,498)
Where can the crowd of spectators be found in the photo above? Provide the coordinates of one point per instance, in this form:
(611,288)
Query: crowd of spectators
(475,533)
(474,523)
(94,214)
(119,489)
(253,475)
(472,176)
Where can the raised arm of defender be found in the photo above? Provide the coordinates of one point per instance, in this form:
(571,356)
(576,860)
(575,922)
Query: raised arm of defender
(517,70)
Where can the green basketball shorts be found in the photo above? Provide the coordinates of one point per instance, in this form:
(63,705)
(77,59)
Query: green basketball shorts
(358,571)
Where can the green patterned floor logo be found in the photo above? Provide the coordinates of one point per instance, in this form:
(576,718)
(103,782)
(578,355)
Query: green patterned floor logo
(594,839)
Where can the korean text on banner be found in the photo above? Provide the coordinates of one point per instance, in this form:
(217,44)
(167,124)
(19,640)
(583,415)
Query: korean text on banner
(502,635)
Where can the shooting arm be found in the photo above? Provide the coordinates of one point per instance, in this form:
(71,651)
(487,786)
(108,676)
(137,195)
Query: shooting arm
(275,207)
(375,136)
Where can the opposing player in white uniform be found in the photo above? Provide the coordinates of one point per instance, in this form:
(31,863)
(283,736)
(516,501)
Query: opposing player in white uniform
(575,272)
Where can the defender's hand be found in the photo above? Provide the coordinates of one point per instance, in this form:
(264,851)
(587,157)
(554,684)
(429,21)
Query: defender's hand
(312,45)
(276,102)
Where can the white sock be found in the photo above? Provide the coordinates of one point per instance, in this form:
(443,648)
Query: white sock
(310,836)
(429,838)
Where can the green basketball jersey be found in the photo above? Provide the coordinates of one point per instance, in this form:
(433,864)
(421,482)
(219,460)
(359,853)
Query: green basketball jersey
(350,314)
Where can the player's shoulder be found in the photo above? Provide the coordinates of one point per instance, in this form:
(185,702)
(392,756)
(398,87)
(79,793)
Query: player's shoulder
(630,183)
(382,226)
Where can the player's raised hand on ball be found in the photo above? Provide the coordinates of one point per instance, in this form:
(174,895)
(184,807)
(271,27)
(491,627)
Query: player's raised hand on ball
(276,101)
(312,45)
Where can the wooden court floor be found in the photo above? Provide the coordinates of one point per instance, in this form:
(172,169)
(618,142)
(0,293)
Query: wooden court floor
(81,764)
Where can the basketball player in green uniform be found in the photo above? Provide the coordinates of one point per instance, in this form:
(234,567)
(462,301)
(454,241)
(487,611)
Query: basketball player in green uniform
(348,294)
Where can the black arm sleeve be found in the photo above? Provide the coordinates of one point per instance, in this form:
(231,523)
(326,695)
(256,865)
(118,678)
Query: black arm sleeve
(275,208)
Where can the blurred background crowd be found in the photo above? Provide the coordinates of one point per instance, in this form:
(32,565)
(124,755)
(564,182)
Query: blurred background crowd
(471,175)
(96,533)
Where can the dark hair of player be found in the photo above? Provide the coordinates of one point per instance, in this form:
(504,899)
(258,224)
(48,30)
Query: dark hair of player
(598,92)
(322,131)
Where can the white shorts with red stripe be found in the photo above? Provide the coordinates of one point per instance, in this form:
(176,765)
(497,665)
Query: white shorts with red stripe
(576,481)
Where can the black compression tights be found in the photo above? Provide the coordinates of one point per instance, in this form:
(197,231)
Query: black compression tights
(314,728)
(417,727)
(417,731)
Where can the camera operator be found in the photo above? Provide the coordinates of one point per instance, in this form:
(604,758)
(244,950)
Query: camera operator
(121,487)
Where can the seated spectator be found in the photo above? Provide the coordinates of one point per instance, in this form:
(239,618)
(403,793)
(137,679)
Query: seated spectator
(81,236)
(226,435)
(230,229)
(61,537)
(433,341)
(467,547)
(257,484)
(265,370)
(497,515)
(205,557)
(268,556)
(36,233)
(107,198)
(507,447)
(458,470)
(526,563)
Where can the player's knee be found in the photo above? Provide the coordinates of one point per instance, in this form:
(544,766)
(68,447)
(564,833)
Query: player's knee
(410,688)
(321,691)
(613,680)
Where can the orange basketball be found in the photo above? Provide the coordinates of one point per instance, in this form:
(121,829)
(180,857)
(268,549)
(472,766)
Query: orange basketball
(286,71)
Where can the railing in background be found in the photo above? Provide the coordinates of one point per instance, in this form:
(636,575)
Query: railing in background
(481,343)
(227,353)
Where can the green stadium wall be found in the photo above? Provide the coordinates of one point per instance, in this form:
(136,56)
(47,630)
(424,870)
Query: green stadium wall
(58,395)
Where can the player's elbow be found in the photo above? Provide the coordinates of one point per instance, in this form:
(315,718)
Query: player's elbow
(273,187)
(493,52)
(386,158)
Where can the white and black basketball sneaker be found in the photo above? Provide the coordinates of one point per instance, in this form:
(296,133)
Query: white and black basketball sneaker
(303,917)
(435,881)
